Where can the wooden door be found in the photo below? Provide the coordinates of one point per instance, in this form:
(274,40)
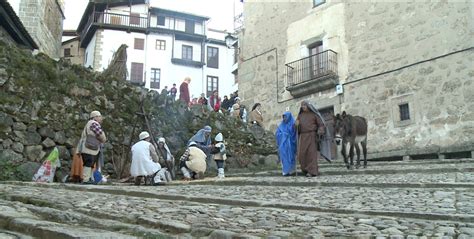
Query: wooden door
(316,61)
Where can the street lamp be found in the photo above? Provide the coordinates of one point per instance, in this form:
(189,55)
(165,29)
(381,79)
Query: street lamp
(230,40)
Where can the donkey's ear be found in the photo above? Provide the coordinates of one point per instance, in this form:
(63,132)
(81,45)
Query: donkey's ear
(344,114)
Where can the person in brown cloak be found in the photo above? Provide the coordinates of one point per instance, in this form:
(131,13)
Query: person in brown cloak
(312,132)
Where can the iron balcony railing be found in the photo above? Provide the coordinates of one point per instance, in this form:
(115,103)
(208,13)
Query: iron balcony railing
(312,67)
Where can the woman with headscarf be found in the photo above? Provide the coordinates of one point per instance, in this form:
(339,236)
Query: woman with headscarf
(311,129)
(256,116)
(286,141)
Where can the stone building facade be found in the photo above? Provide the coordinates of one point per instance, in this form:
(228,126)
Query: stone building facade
(72,51)
(406,67)
(44,21)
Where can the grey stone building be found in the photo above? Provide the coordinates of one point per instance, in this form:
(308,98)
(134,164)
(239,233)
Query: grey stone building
(12,30)
(406,67)
(44,21)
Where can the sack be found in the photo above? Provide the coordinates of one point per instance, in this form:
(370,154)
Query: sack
(92,142)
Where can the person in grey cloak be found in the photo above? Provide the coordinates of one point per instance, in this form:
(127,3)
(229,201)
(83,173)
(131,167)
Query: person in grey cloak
(203,139)
(312,131)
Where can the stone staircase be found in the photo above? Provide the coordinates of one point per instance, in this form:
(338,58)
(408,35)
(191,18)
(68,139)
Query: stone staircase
(400,199)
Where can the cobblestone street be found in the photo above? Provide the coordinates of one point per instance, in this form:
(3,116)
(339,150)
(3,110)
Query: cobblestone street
(404,199)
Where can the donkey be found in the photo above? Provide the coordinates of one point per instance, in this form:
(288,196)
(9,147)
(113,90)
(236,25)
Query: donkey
(351,130)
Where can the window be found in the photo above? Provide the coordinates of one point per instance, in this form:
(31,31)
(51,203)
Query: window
(212,84)
(135,18)
(404,112)
(160,45)
(136,75)
(139,44)
(155,78)
(189,27)
(187,53)
(67,52)
(161,20)
(318,2)
(212,57)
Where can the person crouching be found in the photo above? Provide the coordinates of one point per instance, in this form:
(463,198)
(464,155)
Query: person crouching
(220,156)
(193,162)
(144,159)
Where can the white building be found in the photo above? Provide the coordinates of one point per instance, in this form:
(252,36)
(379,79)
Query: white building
(164,46)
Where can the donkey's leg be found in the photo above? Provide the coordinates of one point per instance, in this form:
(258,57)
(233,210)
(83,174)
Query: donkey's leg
(358,154)
(364,151)
(344,154)
(351,154)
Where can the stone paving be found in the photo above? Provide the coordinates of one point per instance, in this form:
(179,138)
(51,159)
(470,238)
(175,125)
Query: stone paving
(394,203)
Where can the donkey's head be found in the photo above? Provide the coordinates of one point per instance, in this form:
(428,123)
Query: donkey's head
(341,127)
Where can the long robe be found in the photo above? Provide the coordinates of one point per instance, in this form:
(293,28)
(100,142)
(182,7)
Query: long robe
(286,141)
(184,93)
(308,153)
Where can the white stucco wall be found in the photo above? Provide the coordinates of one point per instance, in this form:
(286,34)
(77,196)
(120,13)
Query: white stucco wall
(89,52)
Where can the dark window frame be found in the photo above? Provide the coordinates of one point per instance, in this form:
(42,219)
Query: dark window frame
(67,52)
(185,50)
(162,18)
(189,26)
(404,110)
(161,45)
(139,44)
(135,75)
(134,18)
(318,2)
(211,63)
(155,78)
(213,86)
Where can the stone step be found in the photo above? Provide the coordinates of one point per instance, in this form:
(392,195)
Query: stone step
(18,219)
(207,213)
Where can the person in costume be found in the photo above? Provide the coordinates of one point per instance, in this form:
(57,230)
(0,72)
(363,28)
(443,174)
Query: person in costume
(312,132)
(286,142)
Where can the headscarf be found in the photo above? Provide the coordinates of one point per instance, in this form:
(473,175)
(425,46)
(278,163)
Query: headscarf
(326,142)
(286,142)
(200,136)
(169,156)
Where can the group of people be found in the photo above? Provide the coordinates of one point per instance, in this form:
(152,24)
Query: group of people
(303,139)
(153,165)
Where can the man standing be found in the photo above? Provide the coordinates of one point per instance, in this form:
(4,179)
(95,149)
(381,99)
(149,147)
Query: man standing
(173,92)
(89,144)
(310,128)
(184,91)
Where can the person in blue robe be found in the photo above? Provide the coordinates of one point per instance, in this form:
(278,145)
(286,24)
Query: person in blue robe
(286,141)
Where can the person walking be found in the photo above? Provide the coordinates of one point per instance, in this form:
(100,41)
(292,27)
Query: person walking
(310,128)
(89,145)
(286,142)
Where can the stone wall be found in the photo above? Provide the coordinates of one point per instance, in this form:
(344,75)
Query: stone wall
(44,21)
(421,53)
(389,36)
(263,45)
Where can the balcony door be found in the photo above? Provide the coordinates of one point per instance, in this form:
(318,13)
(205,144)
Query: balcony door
(316,59)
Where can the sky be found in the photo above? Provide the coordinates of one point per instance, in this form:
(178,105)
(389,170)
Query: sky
(221,12)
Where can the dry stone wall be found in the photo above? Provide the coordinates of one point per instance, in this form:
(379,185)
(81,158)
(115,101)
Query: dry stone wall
(46,104)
